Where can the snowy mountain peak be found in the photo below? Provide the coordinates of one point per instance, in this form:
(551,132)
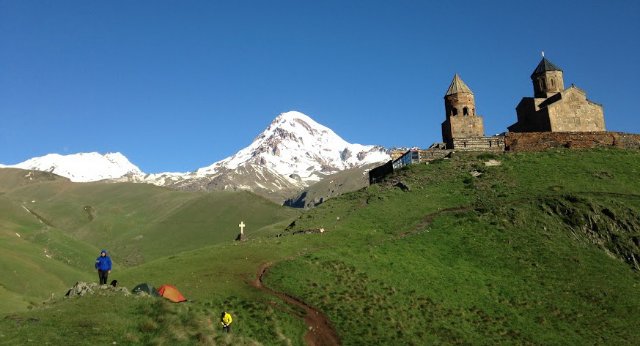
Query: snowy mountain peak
(297,122)
(83,167)
(296,146)
(294,115)
(299,126)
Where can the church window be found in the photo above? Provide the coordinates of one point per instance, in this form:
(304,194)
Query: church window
(553,84)
(542,84)
(465,111)
(454,111)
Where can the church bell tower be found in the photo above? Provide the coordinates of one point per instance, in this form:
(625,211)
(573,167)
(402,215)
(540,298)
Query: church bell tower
(547,79)
(461,119)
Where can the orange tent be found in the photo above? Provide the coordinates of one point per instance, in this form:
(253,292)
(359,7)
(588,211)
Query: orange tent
(171,293)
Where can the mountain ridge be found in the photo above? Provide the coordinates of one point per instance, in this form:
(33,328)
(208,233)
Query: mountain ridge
(81,167)
(292,153)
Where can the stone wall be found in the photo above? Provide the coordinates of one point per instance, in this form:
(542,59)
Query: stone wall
(538,141)
(495,143)
(431,154)
(426,155)
(460,126)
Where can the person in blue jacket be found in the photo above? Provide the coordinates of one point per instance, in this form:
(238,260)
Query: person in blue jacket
(103,264)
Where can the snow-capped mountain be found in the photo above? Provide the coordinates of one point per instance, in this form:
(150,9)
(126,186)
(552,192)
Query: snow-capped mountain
(291,154)
(297,147)
(83,167)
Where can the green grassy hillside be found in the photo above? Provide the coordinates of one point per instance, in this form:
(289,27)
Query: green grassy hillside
(52,229)
(541,249)
(11,178)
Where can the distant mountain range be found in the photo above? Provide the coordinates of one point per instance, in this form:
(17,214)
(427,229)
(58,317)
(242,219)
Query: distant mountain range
(82,167)
(293,153)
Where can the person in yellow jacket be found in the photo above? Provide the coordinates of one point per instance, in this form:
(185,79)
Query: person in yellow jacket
(225,320)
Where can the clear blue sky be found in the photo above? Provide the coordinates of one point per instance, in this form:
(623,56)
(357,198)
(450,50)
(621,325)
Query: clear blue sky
(178,85)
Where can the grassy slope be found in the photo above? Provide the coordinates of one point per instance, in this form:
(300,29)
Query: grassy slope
(11,178)
(35,259)
(516,262)
(52,229)
(508,270)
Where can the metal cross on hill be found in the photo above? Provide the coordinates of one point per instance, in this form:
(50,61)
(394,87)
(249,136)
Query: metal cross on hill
(241,225)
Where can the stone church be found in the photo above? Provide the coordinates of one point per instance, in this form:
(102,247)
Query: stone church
(554,108)
(554,117)
(551,109)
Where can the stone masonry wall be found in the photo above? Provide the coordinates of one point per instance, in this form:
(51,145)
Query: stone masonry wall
(466,126)
(433,154)
(495,143)
(538,141)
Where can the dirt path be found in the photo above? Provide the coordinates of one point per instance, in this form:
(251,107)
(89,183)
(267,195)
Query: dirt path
(320,332)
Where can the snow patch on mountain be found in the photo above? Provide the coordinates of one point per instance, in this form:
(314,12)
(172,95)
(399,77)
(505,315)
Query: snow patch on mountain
(83,167)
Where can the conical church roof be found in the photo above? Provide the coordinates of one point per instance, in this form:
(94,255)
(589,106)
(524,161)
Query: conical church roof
(545,66)
(457,86)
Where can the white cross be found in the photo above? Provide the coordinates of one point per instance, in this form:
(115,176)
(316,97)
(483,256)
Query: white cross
(241,225)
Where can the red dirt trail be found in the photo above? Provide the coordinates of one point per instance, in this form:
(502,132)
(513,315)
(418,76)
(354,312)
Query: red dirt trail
(320,332)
